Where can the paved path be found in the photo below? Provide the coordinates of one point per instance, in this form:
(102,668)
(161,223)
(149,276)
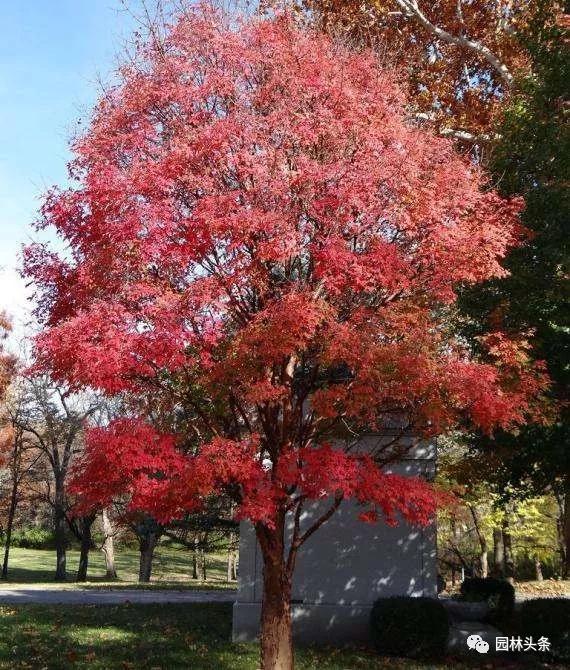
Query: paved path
(28,594)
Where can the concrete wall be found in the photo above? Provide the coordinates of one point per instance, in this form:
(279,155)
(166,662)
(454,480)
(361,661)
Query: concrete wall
(344,567)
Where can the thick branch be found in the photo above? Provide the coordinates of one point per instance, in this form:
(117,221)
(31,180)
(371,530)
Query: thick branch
(410,7)
(319,522)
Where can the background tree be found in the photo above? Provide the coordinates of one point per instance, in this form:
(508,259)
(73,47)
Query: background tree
(490,529)
(108,546)
(212,530)
(458,58)
(54,420)
(19,462)
(258,238)
(7,360)
(532,158)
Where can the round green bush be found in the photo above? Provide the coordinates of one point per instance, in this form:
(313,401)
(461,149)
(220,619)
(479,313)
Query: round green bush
(412,627)
(497,593)
(546,617)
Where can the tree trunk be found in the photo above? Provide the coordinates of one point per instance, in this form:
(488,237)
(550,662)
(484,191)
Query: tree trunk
(456,537)
(195,559)
(483,556)
(538,569)
(147,545)
(509,557)
(108,547)
(231,568)
(484,563)
(9,524)
(232,558)
(276,638)
(566,536)
(86,543)
(203,565)
(59,530)
(498,553)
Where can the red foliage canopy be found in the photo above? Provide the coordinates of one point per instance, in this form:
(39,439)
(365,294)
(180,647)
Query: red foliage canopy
(258,242)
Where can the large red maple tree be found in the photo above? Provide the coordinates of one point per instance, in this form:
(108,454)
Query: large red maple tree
(259,243)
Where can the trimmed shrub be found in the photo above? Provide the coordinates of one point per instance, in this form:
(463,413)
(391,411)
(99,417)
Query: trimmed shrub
(33,537)
(497,593)
(412,627)
(546,617)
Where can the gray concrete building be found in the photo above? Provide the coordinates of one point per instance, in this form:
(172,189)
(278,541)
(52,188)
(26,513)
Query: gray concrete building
(345,566)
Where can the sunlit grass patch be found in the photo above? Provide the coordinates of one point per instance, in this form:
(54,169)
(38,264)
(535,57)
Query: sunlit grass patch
(172,569)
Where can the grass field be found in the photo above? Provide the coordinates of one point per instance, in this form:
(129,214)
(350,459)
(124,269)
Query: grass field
(162,637)
(172,568)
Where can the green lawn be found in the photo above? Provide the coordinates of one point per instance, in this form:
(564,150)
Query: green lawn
(172,568)
(158,637)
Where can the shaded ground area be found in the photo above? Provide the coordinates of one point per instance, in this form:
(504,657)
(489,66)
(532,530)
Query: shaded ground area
(172,568)
(165,637)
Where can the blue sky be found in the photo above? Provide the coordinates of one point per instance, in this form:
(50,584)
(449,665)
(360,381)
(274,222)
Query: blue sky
(51,54)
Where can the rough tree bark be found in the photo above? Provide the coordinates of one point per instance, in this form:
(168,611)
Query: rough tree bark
(60,523)
(147,544)
(85,525)
(483,555)
(276,638)
(108,547)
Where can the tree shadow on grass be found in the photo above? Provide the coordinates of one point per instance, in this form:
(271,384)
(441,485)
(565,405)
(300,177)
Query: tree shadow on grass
(126,636)
(165,637)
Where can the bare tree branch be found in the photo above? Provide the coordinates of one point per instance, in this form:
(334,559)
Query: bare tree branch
(410,8)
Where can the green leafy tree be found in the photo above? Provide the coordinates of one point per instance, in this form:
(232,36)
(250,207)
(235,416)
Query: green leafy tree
(533,159)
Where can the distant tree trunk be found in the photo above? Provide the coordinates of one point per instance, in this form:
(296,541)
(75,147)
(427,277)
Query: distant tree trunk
(203,565)
(86,543)
(108,547)
(509,557)
(566,568)
(147,545)
(59,529)
(9,525)
(195,558)
(538,570)
(563,527)
(231,559)
(455,535)
(498,553)
(483,563)
(483,555)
